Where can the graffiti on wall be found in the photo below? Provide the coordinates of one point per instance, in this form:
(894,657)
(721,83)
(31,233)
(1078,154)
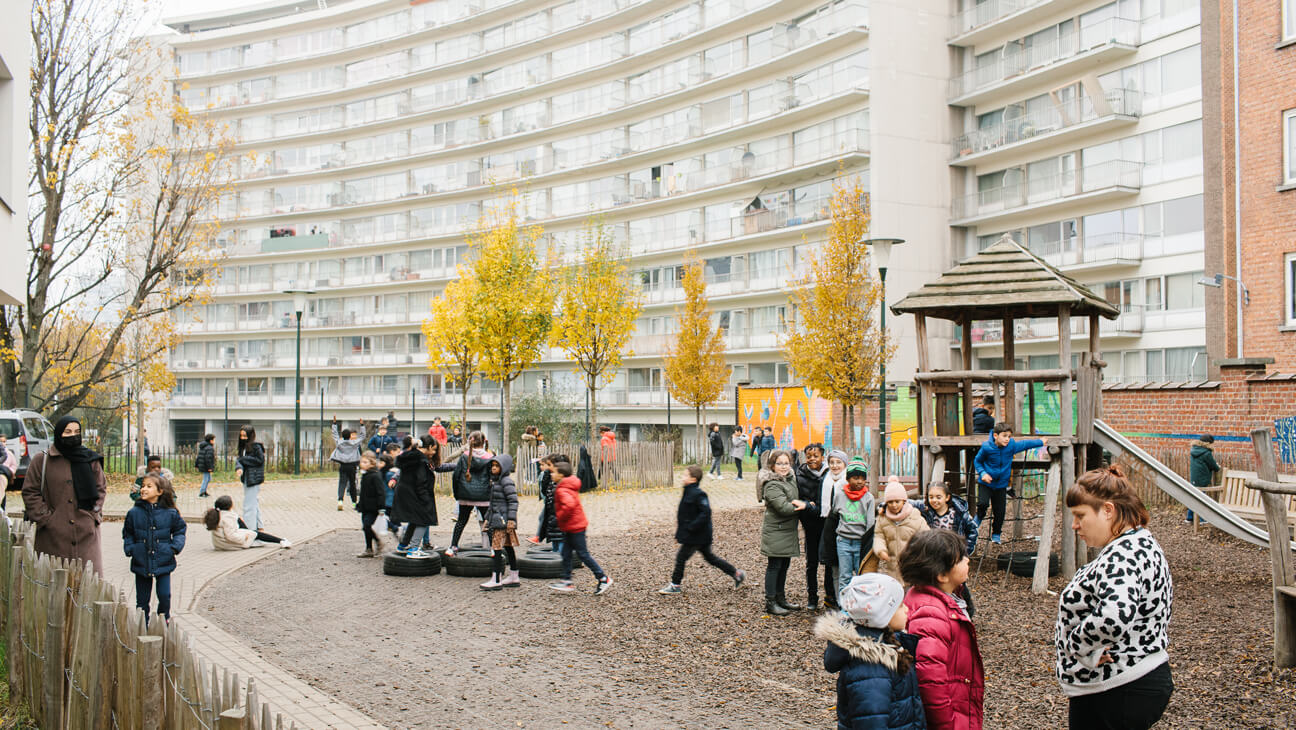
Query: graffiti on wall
(1285,432)
(799,417)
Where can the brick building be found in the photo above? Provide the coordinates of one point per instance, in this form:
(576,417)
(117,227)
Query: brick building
(1251,230)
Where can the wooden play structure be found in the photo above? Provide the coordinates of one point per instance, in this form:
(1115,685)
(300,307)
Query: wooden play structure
(1276,494)
(1006,284)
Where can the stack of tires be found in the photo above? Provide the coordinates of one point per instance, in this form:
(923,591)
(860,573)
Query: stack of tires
(538,563)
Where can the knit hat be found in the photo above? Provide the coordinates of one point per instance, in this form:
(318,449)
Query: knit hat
(872,599)
(837,454)
(895,490)
(857,466)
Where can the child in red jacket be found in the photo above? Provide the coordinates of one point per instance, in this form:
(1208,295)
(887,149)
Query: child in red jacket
(950,674)
(572,522)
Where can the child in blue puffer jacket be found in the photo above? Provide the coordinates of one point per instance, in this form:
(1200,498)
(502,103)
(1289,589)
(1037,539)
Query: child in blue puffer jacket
(877,687)
(993,464)
(152,536)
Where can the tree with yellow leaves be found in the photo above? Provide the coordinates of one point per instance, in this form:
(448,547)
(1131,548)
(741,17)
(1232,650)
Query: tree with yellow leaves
(695,363)
(122,214)
(597,310)
(836,346)
(513,302)
(451,346)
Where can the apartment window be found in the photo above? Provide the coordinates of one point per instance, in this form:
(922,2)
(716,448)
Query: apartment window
(1289,130)
(7,91)
(1289,267)
(1183,292)
(1289,19)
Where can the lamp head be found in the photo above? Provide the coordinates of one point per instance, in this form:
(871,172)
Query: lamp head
(882,250)
(1215,281)
(299,299)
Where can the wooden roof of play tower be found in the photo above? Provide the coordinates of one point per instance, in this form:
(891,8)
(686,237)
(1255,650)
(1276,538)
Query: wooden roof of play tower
(1004,280)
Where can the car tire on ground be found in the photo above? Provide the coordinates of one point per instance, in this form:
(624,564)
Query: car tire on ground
(540,565)
(1022,563)
(394,564)
(469,564)
(541,549)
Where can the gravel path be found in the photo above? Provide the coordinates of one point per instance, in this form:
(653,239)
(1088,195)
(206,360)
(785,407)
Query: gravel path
(438,652)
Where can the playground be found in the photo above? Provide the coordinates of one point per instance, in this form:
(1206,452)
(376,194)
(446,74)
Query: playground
(417,652)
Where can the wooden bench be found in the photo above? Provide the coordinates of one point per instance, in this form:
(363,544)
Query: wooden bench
(1247,503)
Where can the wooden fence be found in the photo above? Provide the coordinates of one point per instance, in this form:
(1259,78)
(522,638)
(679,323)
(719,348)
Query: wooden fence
(1177,460)
(81,657)
(628,465)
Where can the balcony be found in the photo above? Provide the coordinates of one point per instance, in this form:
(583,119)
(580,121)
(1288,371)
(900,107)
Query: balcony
(1128,324)
(1052,61)
(1079,117)
(733,284)
(1103,181)
(977,24)
(1099,251)
(737,338)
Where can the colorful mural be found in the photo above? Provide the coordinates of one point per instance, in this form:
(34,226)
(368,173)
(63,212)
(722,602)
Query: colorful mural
(800,417)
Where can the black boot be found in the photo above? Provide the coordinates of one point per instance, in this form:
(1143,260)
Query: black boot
(773,608)
(782,600)
(812,601)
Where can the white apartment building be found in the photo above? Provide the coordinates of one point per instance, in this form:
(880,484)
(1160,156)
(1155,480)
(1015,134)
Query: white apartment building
(15,53)
(385,128)
(1079,132)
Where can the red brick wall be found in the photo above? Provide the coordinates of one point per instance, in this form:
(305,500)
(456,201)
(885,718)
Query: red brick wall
(1156,418)
(1267,79)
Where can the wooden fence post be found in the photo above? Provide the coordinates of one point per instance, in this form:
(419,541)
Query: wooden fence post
(55,664)
(13,628)
(99,707)
(1275,507)
(1039,582)
(149,653)
(235,719)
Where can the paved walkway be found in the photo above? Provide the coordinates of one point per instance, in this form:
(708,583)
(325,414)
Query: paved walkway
(301,510)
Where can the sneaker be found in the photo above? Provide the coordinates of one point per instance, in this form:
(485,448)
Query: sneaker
(368,553)
(996,539)
(671,589)
(451,551)
(533,540)
(203,494)
(603,585)
(426,547)
(339,505)
(417,553)
(285,544)
(739,577)
(402,549)
(563,586)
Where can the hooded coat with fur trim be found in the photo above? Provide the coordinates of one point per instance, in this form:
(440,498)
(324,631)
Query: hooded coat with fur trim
(871,691)
(503,495)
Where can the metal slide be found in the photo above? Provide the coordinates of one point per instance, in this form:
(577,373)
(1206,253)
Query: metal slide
(1181,490)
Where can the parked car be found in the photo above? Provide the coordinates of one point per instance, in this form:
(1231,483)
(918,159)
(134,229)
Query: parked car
(28,434)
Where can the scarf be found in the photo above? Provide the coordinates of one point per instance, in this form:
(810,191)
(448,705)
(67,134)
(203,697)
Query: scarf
(855,495)
(82,461)
(830,484)
(904,512)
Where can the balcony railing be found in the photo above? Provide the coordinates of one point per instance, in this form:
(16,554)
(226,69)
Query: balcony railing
(1128,323)
(1111,175)
(1120,102)
(1018,60)
(983,14)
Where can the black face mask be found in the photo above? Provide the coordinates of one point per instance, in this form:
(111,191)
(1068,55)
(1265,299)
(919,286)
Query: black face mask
(71,441)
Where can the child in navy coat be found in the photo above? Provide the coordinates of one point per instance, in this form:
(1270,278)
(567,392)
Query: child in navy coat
(877,687)
(693,533)
(152,536)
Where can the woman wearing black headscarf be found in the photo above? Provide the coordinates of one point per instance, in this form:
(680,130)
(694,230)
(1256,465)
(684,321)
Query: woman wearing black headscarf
(64,494)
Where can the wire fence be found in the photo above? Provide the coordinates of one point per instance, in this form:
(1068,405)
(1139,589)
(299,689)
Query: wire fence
(82,656)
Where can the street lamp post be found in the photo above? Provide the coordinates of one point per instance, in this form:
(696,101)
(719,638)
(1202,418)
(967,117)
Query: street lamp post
(299,306)
(882,257)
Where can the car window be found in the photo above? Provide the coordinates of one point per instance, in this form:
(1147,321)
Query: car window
(9,427)
(36,428)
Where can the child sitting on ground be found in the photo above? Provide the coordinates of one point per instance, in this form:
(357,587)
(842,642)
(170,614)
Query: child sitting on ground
(501,521)
(944,511)
(693,533)
(373,499)
(229,532)
(853,506)
(876,683)
(572,522)
(897,524)
(950,674)
(152,536)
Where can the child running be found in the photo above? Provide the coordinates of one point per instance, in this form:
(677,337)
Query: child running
(548,528)
(693,533)
(950,674)
(572,522)
(373,499)
(853,506)
(152,536)
(501,520)
(944,511)
(877,686)
(896,526)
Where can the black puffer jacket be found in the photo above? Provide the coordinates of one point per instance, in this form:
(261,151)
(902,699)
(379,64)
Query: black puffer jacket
(472,478)
(693,518)
(252,460)
(414,502)
(206,459)
(809,485)
(503,495)
(549,529)
(717,444)
(373,492)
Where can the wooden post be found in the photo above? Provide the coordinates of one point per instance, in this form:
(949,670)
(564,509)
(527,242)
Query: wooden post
(1064,357)
(1017,527)
(875,461)
(98,708)
(1069,556)
(920,332)
(1280,554)
(938,469)
(55,660)
(13,627)
(235,719)
(149,649)
(1009,412)
(1039,582)
(966,352)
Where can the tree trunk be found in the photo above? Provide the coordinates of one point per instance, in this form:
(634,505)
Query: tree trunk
(140,459)
(463,410)
(593,399)
(701,443)
(505,389)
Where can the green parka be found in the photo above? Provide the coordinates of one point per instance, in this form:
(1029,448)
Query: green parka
(779,529)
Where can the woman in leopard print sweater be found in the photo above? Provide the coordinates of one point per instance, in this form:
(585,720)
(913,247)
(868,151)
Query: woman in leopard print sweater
(1112,617)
